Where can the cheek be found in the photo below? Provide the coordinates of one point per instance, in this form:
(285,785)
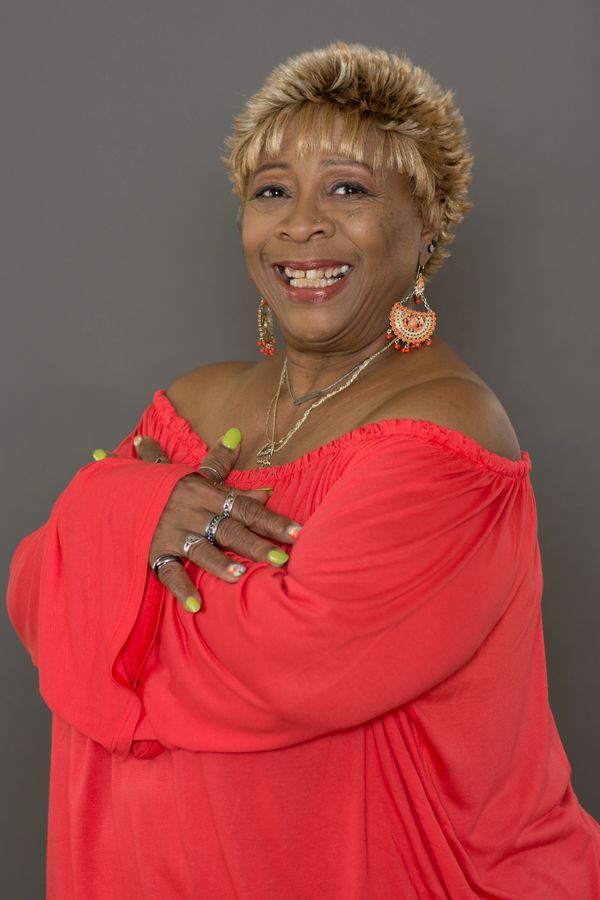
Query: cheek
(401,233)
(251,245)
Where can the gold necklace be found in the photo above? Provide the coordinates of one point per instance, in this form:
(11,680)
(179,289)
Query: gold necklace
(265,454)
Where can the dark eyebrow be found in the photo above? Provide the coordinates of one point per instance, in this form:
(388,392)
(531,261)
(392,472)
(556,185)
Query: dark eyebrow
(340,161)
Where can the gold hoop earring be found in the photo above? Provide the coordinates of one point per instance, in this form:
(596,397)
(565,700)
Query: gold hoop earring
(408,325)
(266,340)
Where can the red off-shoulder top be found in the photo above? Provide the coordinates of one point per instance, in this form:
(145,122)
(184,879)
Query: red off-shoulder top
(370,722)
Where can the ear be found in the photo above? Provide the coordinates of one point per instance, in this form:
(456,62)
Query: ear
(433,225)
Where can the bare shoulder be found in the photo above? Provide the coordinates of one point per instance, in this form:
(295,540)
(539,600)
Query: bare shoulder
(461,404)
(204,385)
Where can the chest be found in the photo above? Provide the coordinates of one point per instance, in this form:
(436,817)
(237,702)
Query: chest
(296,430)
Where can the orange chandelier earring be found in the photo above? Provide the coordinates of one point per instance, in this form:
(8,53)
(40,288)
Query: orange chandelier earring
(266,340)
(411,326)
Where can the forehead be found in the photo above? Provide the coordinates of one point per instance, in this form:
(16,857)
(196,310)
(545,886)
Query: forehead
(288,159)
(323,131)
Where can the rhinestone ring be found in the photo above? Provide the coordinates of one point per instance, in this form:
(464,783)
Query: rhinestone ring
(163,560)
(190,541)
(211,529)
(228,505)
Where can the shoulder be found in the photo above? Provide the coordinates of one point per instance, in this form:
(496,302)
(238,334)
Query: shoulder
(204,384)
(459,403)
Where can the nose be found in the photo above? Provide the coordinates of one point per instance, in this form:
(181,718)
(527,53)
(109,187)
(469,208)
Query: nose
(304,220)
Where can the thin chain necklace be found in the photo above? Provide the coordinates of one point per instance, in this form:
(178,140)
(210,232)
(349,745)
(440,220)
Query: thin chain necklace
(265,454)
(312,395)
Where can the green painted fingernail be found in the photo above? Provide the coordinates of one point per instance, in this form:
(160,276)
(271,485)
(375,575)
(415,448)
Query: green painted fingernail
(231,439)
(99,454)
(277,557)
(192,605)
(236,569)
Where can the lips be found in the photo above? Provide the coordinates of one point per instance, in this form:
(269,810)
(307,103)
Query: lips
(312,280)
(313,289)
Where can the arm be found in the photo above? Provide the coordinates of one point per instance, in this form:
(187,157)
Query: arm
(78,584)
(395,582)
(76,587)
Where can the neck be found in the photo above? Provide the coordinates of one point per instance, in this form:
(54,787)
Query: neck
(309,371)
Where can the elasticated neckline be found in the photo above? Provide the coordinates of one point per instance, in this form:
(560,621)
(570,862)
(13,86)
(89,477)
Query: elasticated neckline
(449,438)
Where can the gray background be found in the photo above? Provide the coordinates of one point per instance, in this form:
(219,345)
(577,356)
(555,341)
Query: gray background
(121,269)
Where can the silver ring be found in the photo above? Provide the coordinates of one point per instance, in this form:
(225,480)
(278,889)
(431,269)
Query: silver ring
(191,540)
(211,469)
(228,505)
(163,560)
(211,529)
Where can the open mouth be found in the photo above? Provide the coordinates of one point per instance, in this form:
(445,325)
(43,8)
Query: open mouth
(313,278)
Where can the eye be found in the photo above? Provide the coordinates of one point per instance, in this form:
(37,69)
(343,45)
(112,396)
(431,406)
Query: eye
(268,191)
(349,188)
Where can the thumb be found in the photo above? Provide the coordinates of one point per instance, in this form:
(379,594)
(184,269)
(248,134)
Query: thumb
(222,457)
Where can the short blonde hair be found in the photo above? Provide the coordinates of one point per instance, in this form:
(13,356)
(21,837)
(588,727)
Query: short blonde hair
(417,129)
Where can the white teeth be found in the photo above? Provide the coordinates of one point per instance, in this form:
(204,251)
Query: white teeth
(315,275)
(313,282)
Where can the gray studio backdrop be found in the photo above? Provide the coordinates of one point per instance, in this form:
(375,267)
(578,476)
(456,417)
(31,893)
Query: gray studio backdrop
(121,269)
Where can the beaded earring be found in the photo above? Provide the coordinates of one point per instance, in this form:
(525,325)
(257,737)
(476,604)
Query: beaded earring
(266,340)
(408,325)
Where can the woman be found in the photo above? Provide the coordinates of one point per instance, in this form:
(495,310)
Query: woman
(363,714)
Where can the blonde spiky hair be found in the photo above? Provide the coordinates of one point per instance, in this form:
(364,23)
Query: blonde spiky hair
(416,127)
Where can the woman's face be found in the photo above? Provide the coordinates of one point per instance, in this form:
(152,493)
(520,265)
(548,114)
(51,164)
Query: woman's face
(331,244)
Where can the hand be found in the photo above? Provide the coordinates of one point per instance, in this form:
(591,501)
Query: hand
(193,503)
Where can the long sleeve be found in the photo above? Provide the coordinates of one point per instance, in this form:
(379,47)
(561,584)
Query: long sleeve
(397,580)
(76,587)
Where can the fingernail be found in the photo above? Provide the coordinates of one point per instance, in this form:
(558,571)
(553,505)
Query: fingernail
(266,490)
(236,569)
(99,454)
(294,530)
(192,604)
(231,439)
(137,440)
(277,557)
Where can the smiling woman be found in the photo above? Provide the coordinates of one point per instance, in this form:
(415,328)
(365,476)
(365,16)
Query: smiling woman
(365,218)
(349,702)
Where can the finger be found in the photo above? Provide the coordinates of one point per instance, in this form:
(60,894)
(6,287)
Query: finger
(222,456)
(176,579)
(234,536)
(256,517)
(253,514)
(149,450)
(208,557)
(260,494)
